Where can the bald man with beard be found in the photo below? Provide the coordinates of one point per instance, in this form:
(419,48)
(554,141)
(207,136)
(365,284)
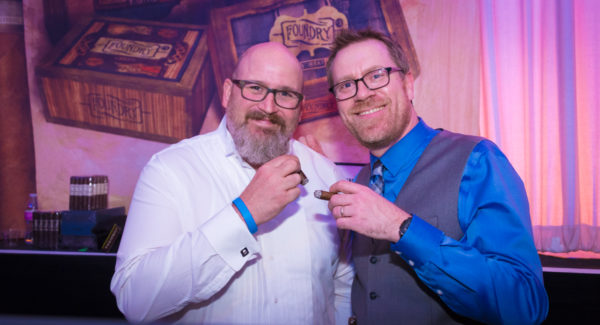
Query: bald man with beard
(220,229)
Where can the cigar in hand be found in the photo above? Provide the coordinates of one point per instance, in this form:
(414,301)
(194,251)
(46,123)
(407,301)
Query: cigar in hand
(323,195)
(303,178)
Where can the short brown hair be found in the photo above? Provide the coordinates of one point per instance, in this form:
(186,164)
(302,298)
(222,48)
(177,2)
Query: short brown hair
(347,37)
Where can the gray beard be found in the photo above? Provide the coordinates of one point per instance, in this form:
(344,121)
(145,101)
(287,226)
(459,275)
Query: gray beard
(257,150)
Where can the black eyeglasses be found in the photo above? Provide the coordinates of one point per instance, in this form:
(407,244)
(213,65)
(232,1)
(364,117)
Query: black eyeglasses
(373,80)
(256,92)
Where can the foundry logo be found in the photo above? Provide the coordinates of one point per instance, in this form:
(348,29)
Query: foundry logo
(132,48)
(309,31)
(112,107)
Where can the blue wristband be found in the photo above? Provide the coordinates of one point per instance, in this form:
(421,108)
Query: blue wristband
(246,215)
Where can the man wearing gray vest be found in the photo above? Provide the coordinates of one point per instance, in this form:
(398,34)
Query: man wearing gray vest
(440,220)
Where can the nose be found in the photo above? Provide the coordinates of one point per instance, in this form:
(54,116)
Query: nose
(268,105)
(362,91)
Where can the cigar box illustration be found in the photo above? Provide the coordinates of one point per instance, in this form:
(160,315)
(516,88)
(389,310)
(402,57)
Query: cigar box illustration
(144,79)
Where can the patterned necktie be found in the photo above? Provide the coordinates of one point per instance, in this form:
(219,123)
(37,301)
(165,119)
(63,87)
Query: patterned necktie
(376,181)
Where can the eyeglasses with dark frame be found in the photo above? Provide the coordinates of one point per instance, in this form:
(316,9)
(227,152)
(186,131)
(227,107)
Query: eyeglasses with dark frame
(375,79)
(256,92)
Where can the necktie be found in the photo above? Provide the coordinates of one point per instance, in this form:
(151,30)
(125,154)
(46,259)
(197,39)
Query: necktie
(376,181)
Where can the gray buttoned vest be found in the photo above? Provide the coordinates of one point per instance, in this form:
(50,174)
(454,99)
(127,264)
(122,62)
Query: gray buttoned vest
(386,290)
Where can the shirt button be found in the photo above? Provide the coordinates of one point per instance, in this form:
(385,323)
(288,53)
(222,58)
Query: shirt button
(373,259)
(439,292)
(373,295)
(275,300)
(411,263)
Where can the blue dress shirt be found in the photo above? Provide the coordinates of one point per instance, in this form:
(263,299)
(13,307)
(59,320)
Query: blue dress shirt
(493,273)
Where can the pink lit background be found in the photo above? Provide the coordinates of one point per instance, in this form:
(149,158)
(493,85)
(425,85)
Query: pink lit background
(522,73)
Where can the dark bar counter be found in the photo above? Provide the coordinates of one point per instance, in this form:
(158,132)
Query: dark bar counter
(56,283)
(72,287)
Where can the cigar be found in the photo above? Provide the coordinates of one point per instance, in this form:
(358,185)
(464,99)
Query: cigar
(303,178)
(323,195)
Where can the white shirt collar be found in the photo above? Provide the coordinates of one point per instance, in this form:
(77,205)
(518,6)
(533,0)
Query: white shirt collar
(225,135)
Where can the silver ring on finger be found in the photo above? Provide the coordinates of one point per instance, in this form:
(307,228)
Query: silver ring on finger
(341,211)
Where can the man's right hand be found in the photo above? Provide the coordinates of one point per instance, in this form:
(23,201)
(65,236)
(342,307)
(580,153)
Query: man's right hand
(356,207)
(274,186)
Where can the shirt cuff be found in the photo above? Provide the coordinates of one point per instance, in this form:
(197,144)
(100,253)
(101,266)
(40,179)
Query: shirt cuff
(420,243)
(230,238)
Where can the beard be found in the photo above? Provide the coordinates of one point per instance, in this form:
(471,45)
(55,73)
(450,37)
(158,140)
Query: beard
(261,146)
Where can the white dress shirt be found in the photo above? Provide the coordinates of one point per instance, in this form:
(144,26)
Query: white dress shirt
(186,256)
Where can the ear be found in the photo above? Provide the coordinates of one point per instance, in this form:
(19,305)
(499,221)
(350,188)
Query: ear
(227,88)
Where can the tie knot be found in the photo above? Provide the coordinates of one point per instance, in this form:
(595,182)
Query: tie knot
(376,181)
(377,168)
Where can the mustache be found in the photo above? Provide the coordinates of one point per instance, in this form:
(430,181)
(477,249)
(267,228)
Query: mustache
(273,118)
(368,103)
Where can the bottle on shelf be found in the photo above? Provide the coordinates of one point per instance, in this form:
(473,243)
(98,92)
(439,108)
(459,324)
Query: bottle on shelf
(32,206)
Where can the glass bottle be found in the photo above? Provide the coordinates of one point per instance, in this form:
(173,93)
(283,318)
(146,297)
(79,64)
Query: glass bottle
(32,205)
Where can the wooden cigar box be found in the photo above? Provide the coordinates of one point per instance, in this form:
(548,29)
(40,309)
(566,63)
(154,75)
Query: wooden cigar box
(145,79)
